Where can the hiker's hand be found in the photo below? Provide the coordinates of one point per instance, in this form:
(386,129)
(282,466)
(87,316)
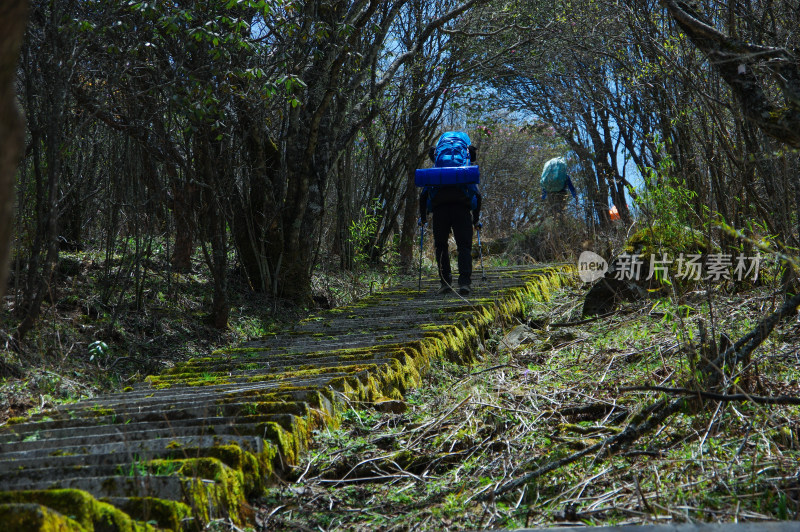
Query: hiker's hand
(421,222)
(478,225)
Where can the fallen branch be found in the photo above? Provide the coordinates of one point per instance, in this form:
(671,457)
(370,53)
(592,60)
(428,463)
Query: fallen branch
(741,397)
(587,320)
(501,366)
(660,410)
(747,344)
(629,435)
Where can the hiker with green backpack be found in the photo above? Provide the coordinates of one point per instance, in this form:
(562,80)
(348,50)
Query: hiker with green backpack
(555,182)
(450,192)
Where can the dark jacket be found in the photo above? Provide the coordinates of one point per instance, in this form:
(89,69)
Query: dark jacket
(452,195)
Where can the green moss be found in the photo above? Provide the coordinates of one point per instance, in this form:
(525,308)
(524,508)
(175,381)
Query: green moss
(61,452)
(666,237)
(36,518)
(85,510)
(287,443)
(101,412)
(191,379)
(224,496)
(171,515)
(256,468)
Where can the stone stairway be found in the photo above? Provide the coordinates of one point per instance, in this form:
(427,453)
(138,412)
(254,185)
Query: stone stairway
(193,444)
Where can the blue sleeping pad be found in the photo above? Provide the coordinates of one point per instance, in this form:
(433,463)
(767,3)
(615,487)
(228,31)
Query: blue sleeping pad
(453,175)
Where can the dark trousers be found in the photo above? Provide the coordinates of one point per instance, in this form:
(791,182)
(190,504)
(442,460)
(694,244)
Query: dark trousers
(457,218)
(557,203)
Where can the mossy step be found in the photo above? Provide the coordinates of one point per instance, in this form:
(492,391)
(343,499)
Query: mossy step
(131,448)
(289,364)
(106,404)
(313,366)
(137,420)
(29,517)
(158,486)
(370,333)
(136,469)
(309,346)
(207,486)
(47,511)
(361,325)
(163,446)
(169,515)
(323,359)
(234,360)
(133,436)
(249,480)
(277,381)
(202,494)
(343,323)
(231,455)
(169,407)
(167,410)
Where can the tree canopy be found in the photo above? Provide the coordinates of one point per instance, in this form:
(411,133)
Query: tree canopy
(251,134)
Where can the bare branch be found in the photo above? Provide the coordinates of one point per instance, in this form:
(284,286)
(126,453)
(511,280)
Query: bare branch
(491,33)
(733,60)
(432,25)
(739,397)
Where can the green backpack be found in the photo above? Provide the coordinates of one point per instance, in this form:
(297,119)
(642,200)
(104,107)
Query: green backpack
(554,175)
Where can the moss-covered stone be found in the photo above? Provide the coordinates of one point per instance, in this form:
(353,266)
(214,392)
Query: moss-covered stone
(89,513)
(30,517)
(170,515)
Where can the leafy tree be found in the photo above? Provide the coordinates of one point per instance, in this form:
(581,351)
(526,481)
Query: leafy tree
(511,158)
(539,60)
(46,78)
(320,128)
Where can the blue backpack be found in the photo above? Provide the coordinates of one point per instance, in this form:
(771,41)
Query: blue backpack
(452,149)
(554,175)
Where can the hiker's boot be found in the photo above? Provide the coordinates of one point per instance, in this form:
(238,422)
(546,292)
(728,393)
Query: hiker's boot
(445,289)
(464,290)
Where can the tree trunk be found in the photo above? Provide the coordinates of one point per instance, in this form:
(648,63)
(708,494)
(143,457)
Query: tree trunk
(255,211)
(302,210)
(408,231)
(211,169)
(344,210)
(183,210)
(46,82)
(13,16)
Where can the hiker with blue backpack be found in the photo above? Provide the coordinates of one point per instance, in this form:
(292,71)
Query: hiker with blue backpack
(555,182)
(450,192)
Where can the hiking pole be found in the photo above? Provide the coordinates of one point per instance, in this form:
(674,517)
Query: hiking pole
(421,225)
(480,249)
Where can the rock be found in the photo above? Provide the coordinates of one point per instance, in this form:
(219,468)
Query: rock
(521,334)
(608,292)
(623,282)
(390,406)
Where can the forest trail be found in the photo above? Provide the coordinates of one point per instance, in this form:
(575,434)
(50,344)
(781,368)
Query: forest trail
(192,444)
